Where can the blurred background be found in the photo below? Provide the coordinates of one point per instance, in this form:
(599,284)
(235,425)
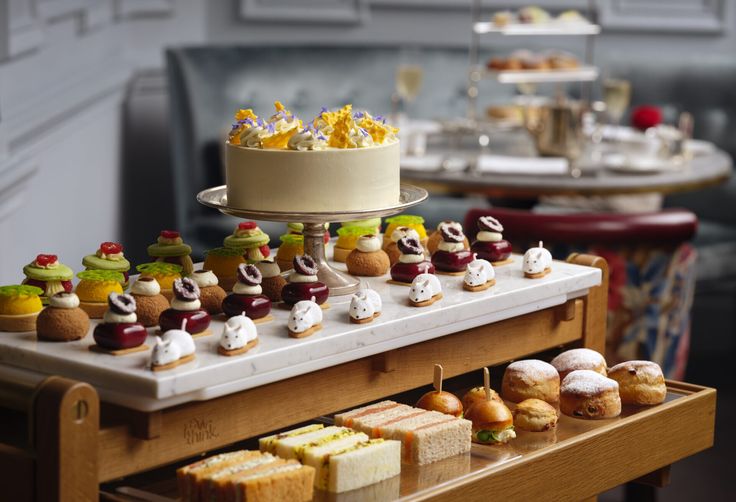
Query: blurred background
(112,114)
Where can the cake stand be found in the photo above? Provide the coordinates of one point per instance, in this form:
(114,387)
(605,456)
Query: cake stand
(339,283)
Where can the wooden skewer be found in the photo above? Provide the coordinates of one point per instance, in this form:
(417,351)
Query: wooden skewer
(438,374)
(487,383)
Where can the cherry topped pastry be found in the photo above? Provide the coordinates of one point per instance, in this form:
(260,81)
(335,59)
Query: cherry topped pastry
(120,328)
(451,255)
(185,305)
(303,283)
(247,296)
(490,244)
(411,261)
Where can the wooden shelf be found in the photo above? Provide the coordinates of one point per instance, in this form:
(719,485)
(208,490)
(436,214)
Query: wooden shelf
(546,29)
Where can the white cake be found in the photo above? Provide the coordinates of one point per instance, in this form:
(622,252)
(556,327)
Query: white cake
(341,161)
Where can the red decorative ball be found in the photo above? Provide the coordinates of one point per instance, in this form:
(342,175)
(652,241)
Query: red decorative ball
(111,248)
(169,234)
(46,259)
(247,225)
(645,116)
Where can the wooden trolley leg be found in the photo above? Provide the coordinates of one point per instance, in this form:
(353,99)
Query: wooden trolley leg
(65,426)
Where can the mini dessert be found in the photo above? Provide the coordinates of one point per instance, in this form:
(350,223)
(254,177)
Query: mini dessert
(303,283)
(489,243)
(425,290)
(373,223)
(452,257)
(272,281)
(579,359)
(344,459)
(478,394)
(365,305)
(439,400)
(19,307)
(94,288)
(411,262)
(479,275)
(590,395)
(247,476)
(533,15)
(305,319)
(292,245)
(210,293)
(185,305)
(62,320)
(109,257)
(47,273)
(170,248)
(251,240)
(503,18)
(537,262)
(164,273)
(239,335)
(347,240)
(415,223)
(392,249)
(224,264)
(247,296)
(535,415)
(149,300)
(120,330)
(435,237)
(492,420)
(298,229)
(368,259)
(173,348)
(426,436)
(531,378)
(639,382)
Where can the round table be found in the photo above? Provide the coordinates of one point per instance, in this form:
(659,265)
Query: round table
(702,171)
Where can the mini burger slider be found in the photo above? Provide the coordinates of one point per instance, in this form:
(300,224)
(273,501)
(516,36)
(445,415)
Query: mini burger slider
(492,421)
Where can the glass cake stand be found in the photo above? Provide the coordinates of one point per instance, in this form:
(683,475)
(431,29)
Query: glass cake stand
(339,283)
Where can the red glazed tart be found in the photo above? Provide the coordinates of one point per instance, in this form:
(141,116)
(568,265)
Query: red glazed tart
(490,244)
(120,328)
(247,296)
(451,255)
(185,306)
(411,261)
(303,283)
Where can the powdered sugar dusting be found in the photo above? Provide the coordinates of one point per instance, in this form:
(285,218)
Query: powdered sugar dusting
(587,383)
(578,359)
(648,369)
(534,369)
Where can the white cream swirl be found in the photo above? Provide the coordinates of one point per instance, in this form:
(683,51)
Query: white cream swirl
(485,236)
(114,317)
(360,137)
(400,232)
(268,269)
(205,278)
(252,136)
(244,289)
(297,277)
(146,286)
(307,139)
(185,306)
(64,301)
(368,244)
(451,247)
(411,258)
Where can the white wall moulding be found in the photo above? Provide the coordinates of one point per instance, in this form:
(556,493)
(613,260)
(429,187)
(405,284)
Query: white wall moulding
(666,16)
(336,12)
(20,29)
(14,181)
(136,9)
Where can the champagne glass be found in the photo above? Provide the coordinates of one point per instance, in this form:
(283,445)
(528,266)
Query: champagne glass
(616,95)
(408,77)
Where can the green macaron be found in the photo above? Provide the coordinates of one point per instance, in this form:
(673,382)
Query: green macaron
(59,273)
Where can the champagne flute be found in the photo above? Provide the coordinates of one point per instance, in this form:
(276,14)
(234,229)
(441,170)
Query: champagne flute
(617,96)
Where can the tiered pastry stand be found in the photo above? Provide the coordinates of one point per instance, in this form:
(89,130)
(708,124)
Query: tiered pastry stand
(339,282)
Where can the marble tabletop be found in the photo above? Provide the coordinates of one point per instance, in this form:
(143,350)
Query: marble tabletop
(128,381)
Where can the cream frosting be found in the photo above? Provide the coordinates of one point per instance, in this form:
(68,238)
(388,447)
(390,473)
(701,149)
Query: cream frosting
(268,269)
(297,277)
(360,137)
(48,266)
(169,242)
(205,278)
(368,244)
(451,247)
(400,232)
(64,301)
(254,254)
(411,258)
(114,317)
(307,139)
(252,136)
(111,256)
(243,289)
(146,287)
(485,236)
(246,232)
(53,287)
(185,306)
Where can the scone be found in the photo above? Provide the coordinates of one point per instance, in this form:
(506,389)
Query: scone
(535,415)
(590,395)
(531,378)
(639,382)
(579,359)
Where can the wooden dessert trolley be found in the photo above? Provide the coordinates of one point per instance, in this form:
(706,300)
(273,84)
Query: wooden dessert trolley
(62,442)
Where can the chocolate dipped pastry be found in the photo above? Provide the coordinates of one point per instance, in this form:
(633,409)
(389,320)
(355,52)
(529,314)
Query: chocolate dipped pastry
(247,296)
(149,301)
(185,305)
(390,245)
(170,248)
(411,261)
(303,283)
(249,238)
(273,282)
(452,256)
(368,259)
(436,237)
(62,320)
(120,328)
(210,293)
(490,244)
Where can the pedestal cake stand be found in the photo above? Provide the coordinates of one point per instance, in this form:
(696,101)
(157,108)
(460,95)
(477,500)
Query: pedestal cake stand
(339,283)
